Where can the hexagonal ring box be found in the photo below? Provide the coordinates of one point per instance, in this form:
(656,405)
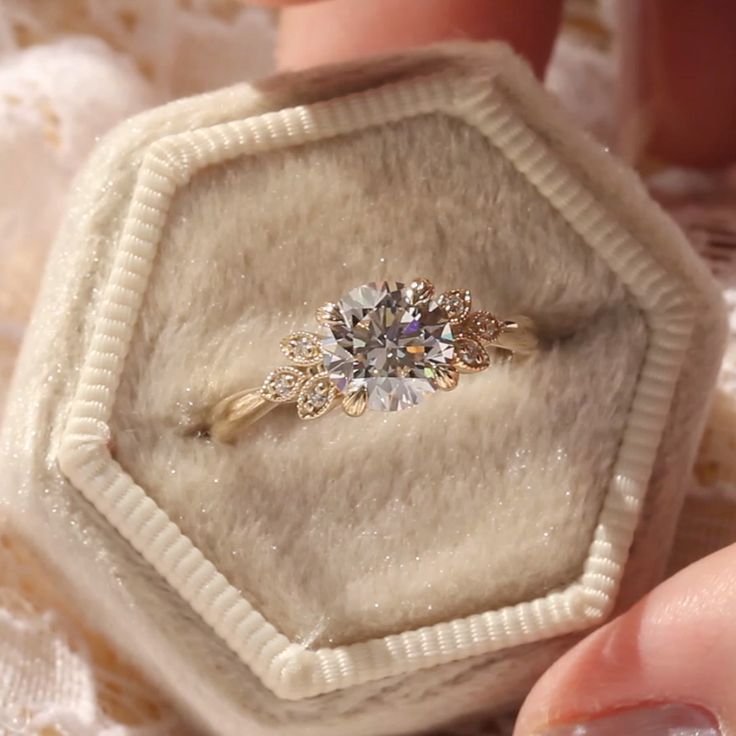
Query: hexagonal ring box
(371,575)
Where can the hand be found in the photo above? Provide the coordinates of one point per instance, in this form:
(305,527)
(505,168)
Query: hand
(668,665)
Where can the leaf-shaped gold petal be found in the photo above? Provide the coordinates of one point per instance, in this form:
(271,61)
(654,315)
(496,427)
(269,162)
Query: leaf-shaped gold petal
(482,325)
(282,385)
(316,397)
(302,348)
(456,303)
(470,356)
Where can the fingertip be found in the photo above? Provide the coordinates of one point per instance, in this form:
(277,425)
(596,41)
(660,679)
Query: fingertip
(337,30)
(678,81)
(676,646)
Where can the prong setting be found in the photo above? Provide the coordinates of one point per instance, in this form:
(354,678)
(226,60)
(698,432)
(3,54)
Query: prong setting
(447,377)
(328,313)
(420,290)
(355,403)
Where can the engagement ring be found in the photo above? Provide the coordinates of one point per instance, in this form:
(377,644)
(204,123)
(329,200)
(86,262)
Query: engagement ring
(383,347)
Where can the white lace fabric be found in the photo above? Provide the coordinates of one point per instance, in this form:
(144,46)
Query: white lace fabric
(68,72)
(56,675)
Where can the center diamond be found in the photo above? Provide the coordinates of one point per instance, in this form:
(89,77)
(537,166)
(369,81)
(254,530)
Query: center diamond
(388,344)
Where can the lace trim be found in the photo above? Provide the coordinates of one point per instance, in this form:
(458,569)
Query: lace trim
(58,677)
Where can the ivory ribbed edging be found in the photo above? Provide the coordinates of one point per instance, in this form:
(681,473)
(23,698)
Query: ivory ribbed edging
(291,670)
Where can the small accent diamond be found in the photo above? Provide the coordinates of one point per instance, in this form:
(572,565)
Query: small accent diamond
(470,355)
(282,385)
(316,397)
(302,348)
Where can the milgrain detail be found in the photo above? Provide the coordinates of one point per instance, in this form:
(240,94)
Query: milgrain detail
(289,669)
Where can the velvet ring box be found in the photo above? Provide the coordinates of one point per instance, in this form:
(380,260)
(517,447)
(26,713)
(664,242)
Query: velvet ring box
(398,571)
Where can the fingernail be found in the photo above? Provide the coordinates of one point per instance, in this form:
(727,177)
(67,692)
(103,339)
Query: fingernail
(671,719)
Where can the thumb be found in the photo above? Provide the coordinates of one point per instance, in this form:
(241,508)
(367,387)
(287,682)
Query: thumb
(667,667)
